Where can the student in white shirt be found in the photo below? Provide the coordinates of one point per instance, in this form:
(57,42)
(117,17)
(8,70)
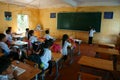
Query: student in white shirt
(6,70)
(47,35)
(47,56)
(33,39)
(91,34)
(31,36)
(9,28)
(9,36)
(3,45)
(5,49)
(65,45)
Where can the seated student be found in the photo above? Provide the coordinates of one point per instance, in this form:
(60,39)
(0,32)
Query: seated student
(9,36)
(47,35)
(3,45)
(31,36)
(6,70)
(5,49)
(43,56)
(33,39)
(9,28)
(26,33)
(46,57)
(65,45)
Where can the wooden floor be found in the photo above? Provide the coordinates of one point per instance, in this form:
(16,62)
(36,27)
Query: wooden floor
(69,72)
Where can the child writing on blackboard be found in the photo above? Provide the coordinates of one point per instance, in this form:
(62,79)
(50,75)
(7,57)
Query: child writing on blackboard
(91,34)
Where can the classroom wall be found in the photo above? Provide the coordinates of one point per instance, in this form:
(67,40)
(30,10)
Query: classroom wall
(15,9)
(109,27)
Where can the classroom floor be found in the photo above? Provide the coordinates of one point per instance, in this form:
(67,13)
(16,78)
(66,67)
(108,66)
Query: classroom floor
(69,72)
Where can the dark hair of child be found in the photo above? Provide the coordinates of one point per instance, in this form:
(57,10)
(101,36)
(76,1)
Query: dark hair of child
(4,63)
(30,33)
(64,38)
(8,31)
(10,28)
(47,44)
(47,31)
(2,36)
(27,29)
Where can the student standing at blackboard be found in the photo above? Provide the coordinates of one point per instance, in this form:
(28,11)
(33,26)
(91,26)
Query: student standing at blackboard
(91,33)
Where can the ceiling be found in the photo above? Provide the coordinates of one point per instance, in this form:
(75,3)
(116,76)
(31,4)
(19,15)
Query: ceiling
(62,3)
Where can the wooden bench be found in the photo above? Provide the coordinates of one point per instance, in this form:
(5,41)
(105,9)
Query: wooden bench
(36,66)
(97,64)
(108,51)
(87,76)
(30,71)
(106,45)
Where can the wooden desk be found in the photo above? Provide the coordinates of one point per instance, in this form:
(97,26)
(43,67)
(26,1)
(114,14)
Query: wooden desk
(58,41)
(19,43)
(107,51)
(96,63)
(87,76)
(18,36)
(41,40)
(107,45)
(29,73)
(56,58)
(1,54)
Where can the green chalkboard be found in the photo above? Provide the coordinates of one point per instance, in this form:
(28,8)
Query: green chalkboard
(79,21)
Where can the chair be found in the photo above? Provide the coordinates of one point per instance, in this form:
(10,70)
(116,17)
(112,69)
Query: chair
(87,76)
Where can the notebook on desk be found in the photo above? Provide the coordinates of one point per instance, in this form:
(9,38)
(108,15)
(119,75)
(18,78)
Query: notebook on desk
(18,69)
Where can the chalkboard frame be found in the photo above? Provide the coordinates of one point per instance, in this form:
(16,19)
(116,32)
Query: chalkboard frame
(62,19)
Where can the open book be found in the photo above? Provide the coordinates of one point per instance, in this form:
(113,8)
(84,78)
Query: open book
(18,69)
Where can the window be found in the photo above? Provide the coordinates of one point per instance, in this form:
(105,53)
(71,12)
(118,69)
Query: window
(22,23)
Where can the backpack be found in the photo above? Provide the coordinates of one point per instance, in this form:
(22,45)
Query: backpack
(56,48)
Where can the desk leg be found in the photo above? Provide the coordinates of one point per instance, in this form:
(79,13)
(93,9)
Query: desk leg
(43,76)
(71,55)
(114,61)
(97,55)
(57,73)
(79,77)
(36,77)
(79,49)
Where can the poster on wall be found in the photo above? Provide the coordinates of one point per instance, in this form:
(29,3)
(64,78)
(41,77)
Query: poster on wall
(108,15)
(52,15)
(8,15)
